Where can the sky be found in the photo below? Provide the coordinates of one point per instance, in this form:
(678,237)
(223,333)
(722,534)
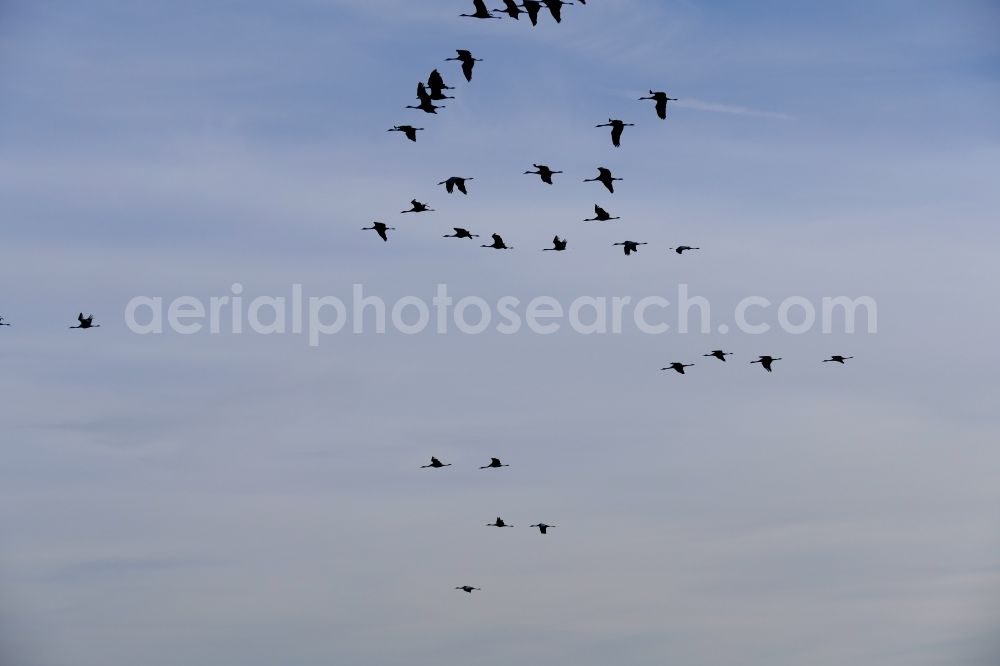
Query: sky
(245,500)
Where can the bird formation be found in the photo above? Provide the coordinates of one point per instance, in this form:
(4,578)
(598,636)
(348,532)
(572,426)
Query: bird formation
(433,91)
(765,361)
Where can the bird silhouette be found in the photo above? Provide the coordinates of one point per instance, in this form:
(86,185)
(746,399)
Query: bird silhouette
(461,233)
(602,215)
(766,361)
(630,246)
(417,207)
(558,245)
(681,249)
(617,127)
(604,176)
(467,588)
(661,102)
(437,85)
(511,9)
(544,172)
(531,8)
(85,322)
(543,528)
(435,463)
(719,354)
(481,11)
(422,93)
(555,8)
(409,130)
(465,57)
(837,359)
(380,229)
(455,182)
(498,243)
(679,367)
(494,462)
(426,105)
(3,323)
(499,523)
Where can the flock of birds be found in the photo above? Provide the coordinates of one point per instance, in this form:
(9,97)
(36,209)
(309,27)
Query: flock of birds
(434,91)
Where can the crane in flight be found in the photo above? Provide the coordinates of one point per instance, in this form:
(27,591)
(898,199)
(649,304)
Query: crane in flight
(498,244)
(837,359)
(454,183)
(766,361)
(558,245)
(380,229)
(661,100)
(617,127)
(461,233)
(468,62)
(630,246)
(601,215)
(544,172)
(408,130)
(481,11)
(85,322)
(604,177)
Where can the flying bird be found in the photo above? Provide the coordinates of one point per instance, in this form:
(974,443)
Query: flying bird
(604,176)
(422,93)
(544,172)
(617,127)
(602,215)
(555,8)
(455,182)
(435,463)
(531,8)
(766,361)
(409,130)
(511,9)
(719,354)
(467,588)
(3,323)
(481,11)
(437,85)
(494,462)
(499,523)
(630,246)
(498,243)
(661,102)
(837,359)
(461,233)
(426,105)
(543,528)
(679,367)
(85,322)
(380,229)
(558,245)
(417,207)
(681,249)
(465,57)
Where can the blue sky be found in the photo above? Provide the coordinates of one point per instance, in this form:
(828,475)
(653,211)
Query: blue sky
(251,500)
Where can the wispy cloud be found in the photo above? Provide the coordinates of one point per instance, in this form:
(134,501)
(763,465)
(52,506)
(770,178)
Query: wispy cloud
(716,107)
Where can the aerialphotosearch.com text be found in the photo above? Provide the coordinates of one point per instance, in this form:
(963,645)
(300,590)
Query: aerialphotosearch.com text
(319,316)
